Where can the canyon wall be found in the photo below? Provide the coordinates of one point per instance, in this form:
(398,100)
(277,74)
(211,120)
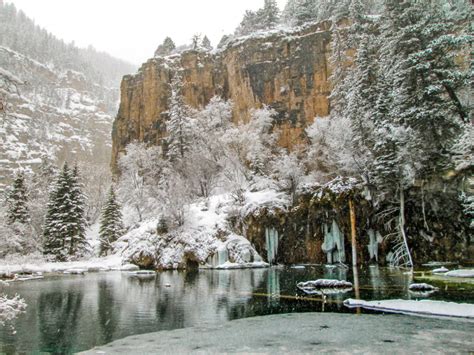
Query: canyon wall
(287,71)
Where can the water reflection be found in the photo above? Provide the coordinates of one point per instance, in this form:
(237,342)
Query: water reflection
(58,315)
(73,313)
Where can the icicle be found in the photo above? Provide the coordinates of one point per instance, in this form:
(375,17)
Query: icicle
(220,257)
(373,245)
(333,244)
(271,243)
(223,256)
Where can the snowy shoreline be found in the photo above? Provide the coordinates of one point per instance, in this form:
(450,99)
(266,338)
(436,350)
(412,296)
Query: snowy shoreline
(304,333)
(419,308)
(110,263)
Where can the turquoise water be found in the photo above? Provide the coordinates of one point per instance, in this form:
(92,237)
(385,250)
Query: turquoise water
(73,313)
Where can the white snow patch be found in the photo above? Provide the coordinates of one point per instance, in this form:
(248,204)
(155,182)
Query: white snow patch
(423,307)
(440,270)
(95,264)
(461,273)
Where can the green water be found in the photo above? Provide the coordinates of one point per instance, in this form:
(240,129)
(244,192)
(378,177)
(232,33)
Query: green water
(73,313)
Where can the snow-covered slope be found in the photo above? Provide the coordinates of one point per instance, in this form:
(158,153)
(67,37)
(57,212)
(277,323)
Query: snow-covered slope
(206,239)
(58,113)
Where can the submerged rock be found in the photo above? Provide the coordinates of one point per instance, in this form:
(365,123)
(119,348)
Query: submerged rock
(421,287)
(324,286)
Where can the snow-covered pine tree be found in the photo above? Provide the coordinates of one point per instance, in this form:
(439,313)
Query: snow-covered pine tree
(422,113)
(269,15)
(111,227)
(166,48)
(17,201)
(77,243)
(39,186)
(206,44)
(249,24)
(299,12)
(179,126)
(63,233)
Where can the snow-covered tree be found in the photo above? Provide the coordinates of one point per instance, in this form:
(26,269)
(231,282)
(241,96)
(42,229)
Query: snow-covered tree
(10,308)
(298,12)
(39,187)
(63,234)
(196,41)
(179,125)
(166,48)
(111,227)
(141,170)
(289,171)
(249,24)
(206,43)
(269,15)
(17,200)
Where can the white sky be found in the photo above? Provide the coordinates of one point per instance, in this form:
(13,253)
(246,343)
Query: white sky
(132,30)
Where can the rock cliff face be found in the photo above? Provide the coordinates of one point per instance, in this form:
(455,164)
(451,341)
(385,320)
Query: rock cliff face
(287,71)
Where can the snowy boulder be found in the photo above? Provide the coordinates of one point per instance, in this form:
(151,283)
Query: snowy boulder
(129,267)
(440,270)
(461,273)
(324,286)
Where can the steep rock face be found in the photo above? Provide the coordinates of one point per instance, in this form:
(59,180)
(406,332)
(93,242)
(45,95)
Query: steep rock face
(287,71)
(61,114)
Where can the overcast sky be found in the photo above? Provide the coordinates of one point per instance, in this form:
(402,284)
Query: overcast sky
(132,29)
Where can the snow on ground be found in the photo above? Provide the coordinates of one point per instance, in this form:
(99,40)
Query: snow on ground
(205,239)
(422,308)
(305,333)
(112,262)
(461,273)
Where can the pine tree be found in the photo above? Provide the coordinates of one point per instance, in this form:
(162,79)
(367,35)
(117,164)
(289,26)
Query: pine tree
(166,48)
(77,242)
(179,123)
(206,43)
(299,12)
(63,234)
(111,227)
(249,24)
(17,200)
(269,15)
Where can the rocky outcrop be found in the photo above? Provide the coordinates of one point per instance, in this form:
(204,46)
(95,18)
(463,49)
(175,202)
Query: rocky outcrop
(288,71)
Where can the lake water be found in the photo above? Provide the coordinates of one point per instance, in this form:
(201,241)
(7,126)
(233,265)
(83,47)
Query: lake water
(72,313)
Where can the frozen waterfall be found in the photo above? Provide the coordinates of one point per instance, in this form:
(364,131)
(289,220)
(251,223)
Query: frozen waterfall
(333,244)
(271,244)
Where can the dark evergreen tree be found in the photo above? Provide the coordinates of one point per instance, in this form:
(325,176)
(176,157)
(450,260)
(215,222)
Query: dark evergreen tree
(63,234)
(111,227)
(206,43)
(162,227)
(77,242)
(166,48)
(17,201)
